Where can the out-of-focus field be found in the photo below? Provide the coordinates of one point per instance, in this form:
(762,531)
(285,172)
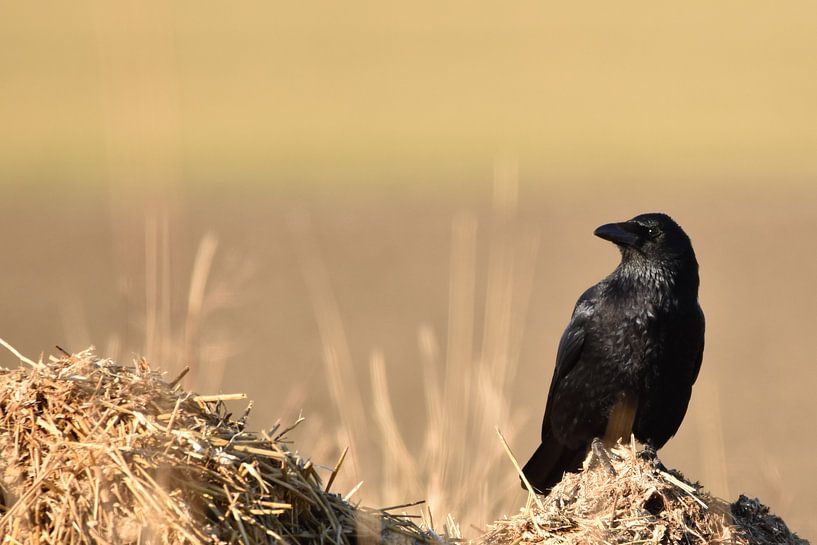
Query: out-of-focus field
(143,92)
(70,279)
(298,201)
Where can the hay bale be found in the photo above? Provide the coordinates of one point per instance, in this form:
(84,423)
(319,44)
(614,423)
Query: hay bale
(96,452)
(641,503)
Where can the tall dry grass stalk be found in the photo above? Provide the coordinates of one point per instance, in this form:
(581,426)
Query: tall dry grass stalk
(182,338)
(458,467)
(338,363)
(167,325)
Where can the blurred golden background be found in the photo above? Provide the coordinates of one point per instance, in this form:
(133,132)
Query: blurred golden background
(306,201)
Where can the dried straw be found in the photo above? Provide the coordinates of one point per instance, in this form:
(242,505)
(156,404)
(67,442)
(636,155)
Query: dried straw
(96,452)
(641,503)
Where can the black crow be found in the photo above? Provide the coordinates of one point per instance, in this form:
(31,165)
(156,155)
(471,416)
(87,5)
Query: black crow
(628,359)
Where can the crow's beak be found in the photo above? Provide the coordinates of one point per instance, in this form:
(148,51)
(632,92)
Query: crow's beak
(623,234)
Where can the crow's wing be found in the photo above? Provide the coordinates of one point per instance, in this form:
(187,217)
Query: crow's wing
(550,461)
(571,344)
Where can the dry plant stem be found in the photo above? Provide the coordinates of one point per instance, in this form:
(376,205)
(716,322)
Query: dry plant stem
(18,354)
(196,296)
(518,469)
(338,362)
(336,469)
(219,397)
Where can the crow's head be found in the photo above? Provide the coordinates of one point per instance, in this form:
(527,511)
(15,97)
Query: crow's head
(653,237)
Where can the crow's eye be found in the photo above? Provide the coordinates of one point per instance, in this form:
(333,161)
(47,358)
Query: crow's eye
(652,231)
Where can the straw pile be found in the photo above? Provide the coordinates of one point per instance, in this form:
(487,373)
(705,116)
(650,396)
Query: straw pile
(96,452)
(641,503)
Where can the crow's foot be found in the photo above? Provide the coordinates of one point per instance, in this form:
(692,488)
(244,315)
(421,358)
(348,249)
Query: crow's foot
(601,456)
(650,456)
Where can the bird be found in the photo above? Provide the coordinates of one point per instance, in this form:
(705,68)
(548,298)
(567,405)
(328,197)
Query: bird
(628,359)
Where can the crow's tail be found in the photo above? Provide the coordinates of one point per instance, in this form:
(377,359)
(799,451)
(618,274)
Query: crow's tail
(549,463)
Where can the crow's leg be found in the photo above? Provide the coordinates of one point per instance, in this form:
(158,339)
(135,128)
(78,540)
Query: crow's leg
(650,455)
(601,456)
